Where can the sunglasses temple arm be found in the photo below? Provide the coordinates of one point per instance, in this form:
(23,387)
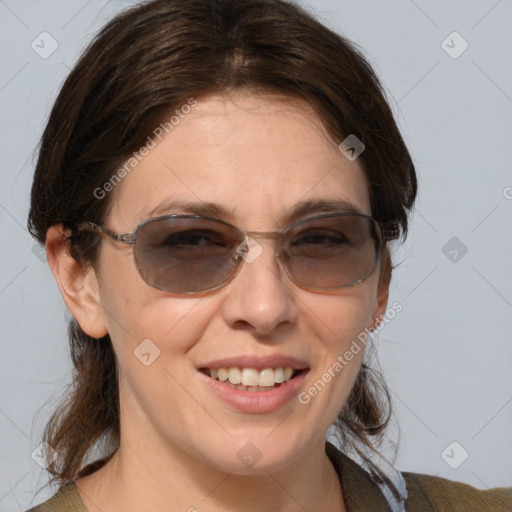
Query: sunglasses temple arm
(128,238)
(390,232)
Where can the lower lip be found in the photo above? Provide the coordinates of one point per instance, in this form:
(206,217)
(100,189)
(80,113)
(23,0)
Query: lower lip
(257,401)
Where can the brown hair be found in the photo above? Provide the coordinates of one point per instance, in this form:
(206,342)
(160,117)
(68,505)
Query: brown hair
(148,61)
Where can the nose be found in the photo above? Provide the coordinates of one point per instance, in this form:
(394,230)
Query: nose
(260,297)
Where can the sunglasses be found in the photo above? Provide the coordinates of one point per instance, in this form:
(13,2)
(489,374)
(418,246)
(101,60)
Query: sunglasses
(193,254)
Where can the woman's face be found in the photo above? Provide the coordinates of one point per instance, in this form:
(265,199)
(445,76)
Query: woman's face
(256,158)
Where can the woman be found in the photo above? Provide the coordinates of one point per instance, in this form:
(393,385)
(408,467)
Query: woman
(217,187)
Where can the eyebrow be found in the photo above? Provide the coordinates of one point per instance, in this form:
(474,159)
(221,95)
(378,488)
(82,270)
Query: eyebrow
(299,210)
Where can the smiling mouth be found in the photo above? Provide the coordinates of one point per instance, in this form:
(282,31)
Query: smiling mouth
(251,379)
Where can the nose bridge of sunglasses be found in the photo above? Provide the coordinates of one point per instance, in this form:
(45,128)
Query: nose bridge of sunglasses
(250,249)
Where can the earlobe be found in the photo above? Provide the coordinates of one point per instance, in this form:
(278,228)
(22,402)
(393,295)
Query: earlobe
(78,286)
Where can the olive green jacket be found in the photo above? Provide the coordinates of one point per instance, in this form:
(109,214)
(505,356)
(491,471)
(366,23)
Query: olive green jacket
(425,493)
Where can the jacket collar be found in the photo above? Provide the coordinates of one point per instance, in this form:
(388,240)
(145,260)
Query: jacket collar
(360,492)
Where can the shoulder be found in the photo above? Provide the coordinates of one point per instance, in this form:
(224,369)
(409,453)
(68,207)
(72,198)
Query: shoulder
(66,499)
(426,492)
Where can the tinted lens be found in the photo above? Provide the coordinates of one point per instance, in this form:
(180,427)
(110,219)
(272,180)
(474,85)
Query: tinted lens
(333,251)
(186,254)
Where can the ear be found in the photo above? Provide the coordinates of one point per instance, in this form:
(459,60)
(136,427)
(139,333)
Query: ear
(382,290)
(79,287)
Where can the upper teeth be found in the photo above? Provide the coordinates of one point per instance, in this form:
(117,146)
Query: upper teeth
(252,377)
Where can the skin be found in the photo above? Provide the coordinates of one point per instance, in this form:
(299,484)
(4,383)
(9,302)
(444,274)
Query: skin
(257,156)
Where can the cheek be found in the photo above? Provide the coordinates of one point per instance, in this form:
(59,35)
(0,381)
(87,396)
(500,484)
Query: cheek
(338,320)
(340,333)
(172,324)
(341,325)
(135,312)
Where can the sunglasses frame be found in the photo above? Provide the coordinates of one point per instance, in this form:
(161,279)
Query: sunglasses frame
(387,232)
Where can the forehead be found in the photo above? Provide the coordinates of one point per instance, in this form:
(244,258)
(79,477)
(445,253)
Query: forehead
(251,160)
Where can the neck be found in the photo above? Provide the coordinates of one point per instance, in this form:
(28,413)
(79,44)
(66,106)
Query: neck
(139,477)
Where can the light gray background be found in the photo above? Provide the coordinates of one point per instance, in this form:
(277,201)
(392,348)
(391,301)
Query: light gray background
(446,356)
